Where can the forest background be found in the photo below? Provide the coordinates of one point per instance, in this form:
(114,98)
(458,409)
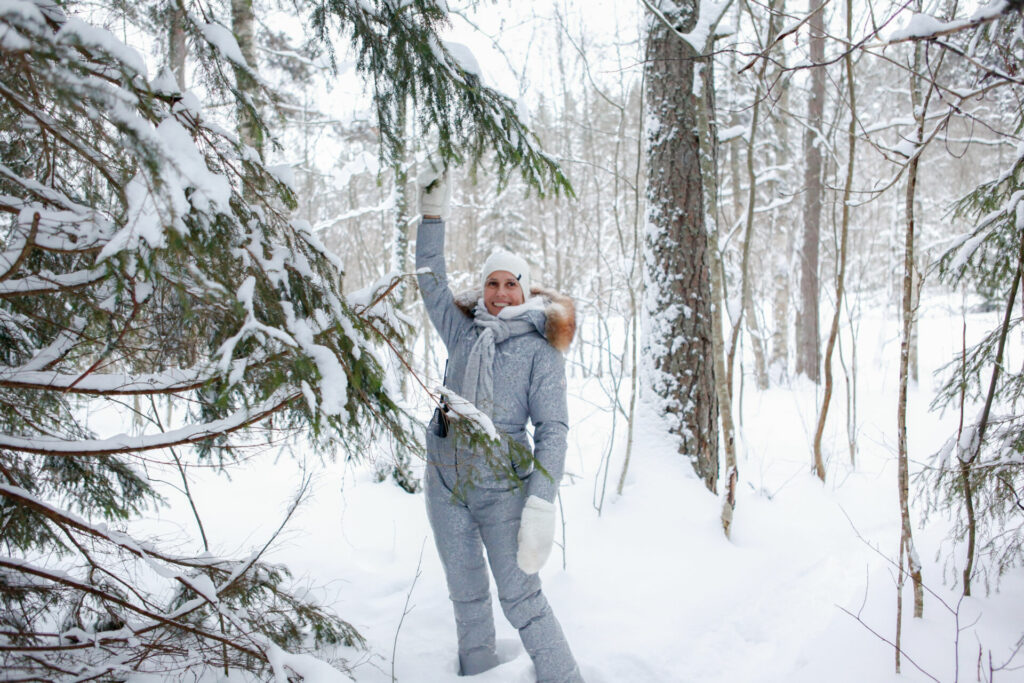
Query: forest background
(218,220)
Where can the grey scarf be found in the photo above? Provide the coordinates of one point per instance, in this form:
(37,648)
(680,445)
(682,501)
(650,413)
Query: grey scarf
(478,380)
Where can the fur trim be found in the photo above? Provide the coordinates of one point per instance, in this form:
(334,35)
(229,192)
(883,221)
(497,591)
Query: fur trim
(561,313)
(559,309)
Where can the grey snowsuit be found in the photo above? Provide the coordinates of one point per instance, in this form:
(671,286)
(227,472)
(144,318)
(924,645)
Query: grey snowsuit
(471,507)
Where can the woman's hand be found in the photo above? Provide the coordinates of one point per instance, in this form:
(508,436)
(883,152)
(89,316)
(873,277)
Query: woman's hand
(536,534)
(435,192)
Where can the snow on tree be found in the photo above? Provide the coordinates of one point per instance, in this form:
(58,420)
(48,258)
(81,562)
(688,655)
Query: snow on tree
(148,259)
(979,474)
(676,269)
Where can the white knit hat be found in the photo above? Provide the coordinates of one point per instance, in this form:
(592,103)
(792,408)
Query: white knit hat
(504,260)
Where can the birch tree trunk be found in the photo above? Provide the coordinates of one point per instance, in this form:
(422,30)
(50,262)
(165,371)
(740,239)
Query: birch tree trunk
(400,468)
(909,312)
(243,24)
(916,294)
(401,212)
(678,341)
(808,359)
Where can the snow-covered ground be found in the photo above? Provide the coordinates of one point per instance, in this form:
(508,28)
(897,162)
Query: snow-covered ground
(651,591)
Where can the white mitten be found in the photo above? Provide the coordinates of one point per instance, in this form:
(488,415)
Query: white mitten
(435,191)
(536,534)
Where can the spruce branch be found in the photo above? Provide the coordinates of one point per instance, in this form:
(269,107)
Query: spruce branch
(401,55)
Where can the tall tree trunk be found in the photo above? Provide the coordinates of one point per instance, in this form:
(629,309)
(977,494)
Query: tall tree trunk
(979,440)
(723,387)
(903,473)
(844,231)
(176,46)
(678,343)
(909,313)
(916,293)
(634,304)
(243,24)
(900,580)
(748,233)
(783,226)
(746,307)
(850,374)
(401,210)
(735,176)
(808,358)
(757,344)
(401,468)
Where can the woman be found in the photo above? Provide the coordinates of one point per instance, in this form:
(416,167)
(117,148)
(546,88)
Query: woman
(504,356)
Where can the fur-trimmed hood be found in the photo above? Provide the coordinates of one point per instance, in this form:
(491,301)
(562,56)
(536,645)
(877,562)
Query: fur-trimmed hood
(557,320)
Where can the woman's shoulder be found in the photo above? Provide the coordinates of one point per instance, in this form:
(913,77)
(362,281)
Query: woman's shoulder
(554,322)
(560,317)
(466,301)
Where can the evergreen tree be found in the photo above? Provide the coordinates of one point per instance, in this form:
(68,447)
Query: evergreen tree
(148,255)
(979,473)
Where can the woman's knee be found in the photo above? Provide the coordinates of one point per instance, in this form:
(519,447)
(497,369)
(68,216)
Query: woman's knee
(523,609)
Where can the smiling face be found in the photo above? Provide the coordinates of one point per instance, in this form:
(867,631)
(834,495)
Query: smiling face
(501,289)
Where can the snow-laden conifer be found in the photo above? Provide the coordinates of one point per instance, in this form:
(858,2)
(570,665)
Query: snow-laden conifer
(148,260)
(979,474)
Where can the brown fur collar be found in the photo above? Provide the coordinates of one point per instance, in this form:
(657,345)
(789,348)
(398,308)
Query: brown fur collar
(559,309)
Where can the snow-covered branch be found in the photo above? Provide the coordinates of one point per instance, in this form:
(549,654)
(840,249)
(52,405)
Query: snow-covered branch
(700,37)
(123,443)
(927,27)
(123,384)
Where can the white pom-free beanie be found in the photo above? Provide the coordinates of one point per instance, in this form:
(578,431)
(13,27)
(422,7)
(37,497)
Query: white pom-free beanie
(506,260)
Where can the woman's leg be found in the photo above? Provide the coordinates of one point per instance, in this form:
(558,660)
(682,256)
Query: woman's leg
(457,537)
(498,514)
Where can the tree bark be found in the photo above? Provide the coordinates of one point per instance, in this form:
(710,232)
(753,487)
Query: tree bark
(176,46)
(401,212)
(748,232)
(678,343)
(903,465)
(634,304)
(243,24)
(400,468)
(783,229)
(757,344)
(723,382)
(903,474)
(916,294)
(851,149)
(919,102)
(808,352)
(965,465)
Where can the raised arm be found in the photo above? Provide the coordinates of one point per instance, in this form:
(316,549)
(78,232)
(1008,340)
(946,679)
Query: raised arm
(437,297)
(435,194)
